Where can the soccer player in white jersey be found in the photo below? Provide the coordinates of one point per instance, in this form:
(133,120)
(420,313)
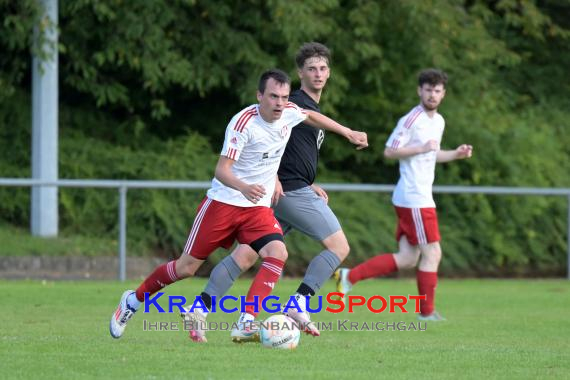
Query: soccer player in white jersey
(298,204)
(415,142)
(237,206)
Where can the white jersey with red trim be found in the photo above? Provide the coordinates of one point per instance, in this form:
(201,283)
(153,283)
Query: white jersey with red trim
(417,172)
(257,147)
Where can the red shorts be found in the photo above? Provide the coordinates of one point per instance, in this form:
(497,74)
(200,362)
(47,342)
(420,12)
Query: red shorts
(219,224)
(419,225)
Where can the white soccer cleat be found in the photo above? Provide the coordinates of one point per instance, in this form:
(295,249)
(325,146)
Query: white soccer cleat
(121,316)
(302,317)
(246,330)
(342,284)
(195,321)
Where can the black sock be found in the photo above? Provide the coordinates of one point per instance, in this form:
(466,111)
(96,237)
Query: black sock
(305,290)
(207,300)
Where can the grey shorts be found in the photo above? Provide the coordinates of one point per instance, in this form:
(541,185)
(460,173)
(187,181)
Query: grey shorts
(306,212)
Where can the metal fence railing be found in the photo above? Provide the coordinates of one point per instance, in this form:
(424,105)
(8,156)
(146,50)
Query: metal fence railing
(123,185)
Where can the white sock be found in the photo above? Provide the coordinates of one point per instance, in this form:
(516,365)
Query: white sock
(133,302)
(302,301)
(246,317)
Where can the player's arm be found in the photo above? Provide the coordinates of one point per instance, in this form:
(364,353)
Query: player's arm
(461,152)
(225,175)
(317,120)
(320,192)
(408,151)
(278,192)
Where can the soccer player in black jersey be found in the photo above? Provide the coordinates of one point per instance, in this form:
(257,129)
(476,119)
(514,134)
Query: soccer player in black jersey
(297,202)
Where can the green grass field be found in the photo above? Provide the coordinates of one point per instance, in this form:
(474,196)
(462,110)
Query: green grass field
(19,242)
(498,329)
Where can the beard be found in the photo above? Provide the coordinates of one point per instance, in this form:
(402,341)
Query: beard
(430,107)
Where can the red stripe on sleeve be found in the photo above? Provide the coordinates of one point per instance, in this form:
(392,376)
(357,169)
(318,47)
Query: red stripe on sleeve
(413,116)
(242,127)
(243,119)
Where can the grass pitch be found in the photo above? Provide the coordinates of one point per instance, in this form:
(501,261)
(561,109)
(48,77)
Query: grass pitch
(496,329)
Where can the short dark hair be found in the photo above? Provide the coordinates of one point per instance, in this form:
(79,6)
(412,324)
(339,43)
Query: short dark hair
(278,75)
(432,77)
(312,49)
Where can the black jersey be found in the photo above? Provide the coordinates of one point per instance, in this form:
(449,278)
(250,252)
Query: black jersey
(298,166)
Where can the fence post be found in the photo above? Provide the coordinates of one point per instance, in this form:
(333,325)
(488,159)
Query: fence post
(122,233)
(44,215)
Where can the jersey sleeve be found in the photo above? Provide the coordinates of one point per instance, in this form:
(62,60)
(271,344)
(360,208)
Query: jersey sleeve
(237,136)
(401,135)
(442,128)
(295,114)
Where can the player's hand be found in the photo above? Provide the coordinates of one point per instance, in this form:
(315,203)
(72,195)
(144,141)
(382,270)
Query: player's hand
(464,151)
(431,146)
(277,193)
(320,192)
(360,139)
(253,193)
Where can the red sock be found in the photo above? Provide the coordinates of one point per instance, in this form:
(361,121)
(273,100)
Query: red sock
(377,266)
(427,282)
(162,276)
(264,281)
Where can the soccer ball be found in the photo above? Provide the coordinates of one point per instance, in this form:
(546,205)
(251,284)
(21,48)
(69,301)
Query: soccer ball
(279,331)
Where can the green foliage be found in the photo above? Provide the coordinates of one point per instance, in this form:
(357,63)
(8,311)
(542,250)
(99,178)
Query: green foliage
(156,218)
(147,88)
(160,218)
(18,20)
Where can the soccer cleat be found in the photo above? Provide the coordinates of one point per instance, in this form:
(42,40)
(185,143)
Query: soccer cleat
(246,330)
(195,322)
(435,317)
(121,316)
(342,284)
(302,317)
(304,321)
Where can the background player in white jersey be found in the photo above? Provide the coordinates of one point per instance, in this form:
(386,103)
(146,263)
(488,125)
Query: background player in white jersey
(298,203)
(237,204)
(415,142)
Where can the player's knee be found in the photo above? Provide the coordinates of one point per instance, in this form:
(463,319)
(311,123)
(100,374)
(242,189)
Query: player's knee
(432,260)
(431,257)
(406,260)
(247,261)
(433,253)
(437,255)
(185,272)
(342,251)
(429,264)
(186,266)
(244,257)
(275,249)
(280,254)
(405,263)
(338,244)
